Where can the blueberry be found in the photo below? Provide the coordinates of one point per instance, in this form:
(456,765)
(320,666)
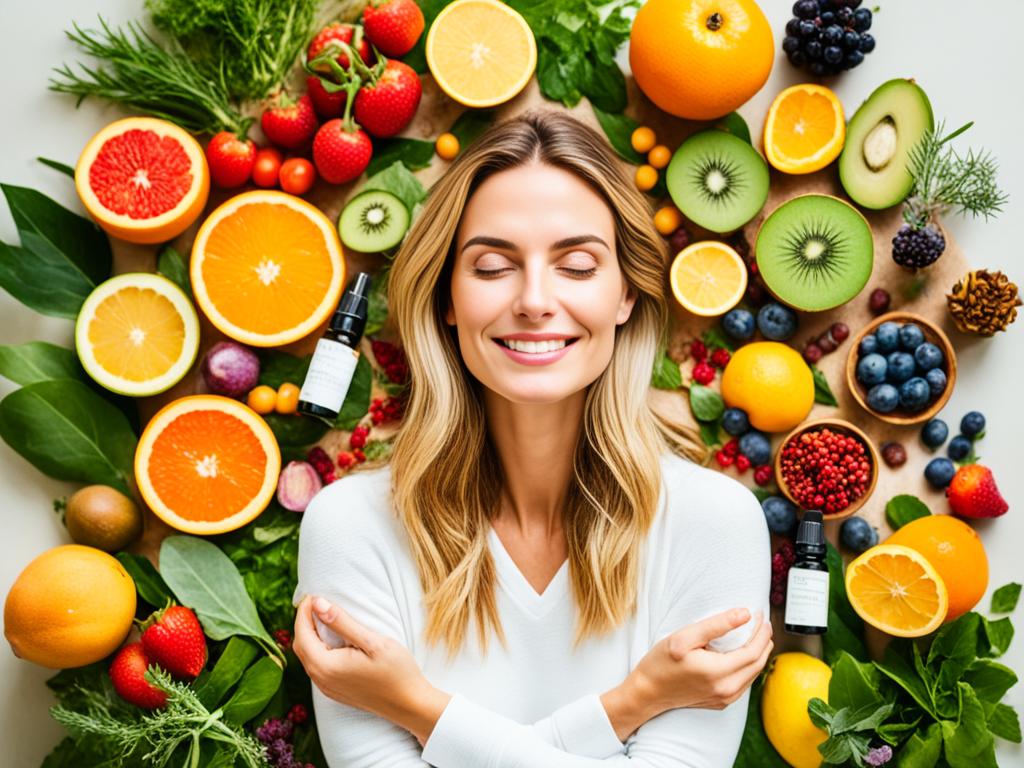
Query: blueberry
(819,69)
(814,50)
(939,472)
(796,58)
(883,398)
(914,394)
(827,18)
(888,335)
(862,19)
(973,424)
(780,514)
(793,27)
(853,59)
(857,534)
(738,324)
(900,367)
(868,345)
(959,448)
(851,41)
(776,322)
(791,44)
(911,337)
(844,16)
(832,35)
(806,9)
(934,433)
(808,28)
(928,356)
(936,379)
(871,369)
(755,446)
(735,422)
(867,43)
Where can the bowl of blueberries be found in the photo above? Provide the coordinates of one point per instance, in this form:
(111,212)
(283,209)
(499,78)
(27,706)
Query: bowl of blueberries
(901,368)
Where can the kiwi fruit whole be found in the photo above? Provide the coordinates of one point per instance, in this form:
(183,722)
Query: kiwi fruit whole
(373,221)
(717,180)
(102,517)
(815,252)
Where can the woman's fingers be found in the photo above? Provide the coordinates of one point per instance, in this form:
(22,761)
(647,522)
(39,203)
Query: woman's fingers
(701,633)
(335,617)
(305,641)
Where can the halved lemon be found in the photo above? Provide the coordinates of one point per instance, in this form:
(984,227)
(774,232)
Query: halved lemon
(708,278)
(143,179)
(207,464)
(805,129)
(897,590)
(481,52)
(267,268)
(137,334)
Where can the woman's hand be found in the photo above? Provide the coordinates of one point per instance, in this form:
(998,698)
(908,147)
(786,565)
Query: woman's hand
(374,672)
(679,671)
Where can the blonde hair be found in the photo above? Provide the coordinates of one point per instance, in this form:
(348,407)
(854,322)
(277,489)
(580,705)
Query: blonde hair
(446,476)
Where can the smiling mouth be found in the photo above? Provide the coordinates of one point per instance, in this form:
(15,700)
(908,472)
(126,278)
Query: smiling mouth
(535,347)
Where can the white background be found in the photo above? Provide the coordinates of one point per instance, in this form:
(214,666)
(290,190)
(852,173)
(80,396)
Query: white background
(969,57)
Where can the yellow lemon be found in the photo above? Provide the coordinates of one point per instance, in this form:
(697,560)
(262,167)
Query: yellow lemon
(772,383)
(793,680)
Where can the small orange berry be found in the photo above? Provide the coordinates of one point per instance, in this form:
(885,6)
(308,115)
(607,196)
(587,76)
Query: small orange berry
(447,146)
(667,220)
(643,139)
(659,156)
(262,399)
(287,398)
(646,178)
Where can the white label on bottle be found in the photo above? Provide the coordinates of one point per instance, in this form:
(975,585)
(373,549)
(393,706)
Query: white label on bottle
(330,374)
(807,598)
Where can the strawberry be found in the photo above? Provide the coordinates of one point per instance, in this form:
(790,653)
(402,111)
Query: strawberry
(973,493)
(332,35)
(290,124)
(173,638)
(325,103)
(341,151)
(393,26)
(387,104)
(127,672)
(230,159)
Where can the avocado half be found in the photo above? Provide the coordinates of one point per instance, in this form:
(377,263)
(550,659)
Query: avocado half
(881,134)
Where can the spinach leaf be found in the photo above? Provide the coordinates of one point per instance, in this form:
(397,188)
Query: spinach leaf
(238,654)
(278,367)
(666,374)
(853,683)
(148,582)
(171,265)
(259,683)
(414,154)
(38,361)
(905,508)
(1004,599)
(969,744)
(619,130)
(706,403)
(896,667)
(922,749)
(357,400)
(989,679)
(294,431)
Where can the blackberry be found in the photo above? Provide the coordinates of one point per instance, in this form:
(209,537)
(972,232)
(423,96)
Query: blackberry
(828,36)
(917,248)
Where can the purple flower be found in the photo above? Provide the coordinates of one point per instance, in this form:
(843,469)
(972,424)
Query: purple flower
(879,755)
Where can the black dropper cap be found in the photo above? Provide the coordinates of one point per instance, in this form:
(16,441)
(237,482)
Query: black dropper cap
(350,317)
(810,536)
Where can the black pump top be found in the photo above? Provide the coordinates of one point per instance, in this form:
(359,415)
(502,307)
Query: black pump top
(350,317)
(810,536)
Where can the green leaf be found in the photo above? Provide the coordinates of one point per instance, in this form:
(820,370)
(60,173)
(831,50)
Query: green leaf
(714,338)
(38,361)
(845,626)
(853,683)
(989,679)
(204,578)
(357,400)
(709,432)
(42,280)
(171,265)
(69,432)
(1004,723)
(1004,599)
(470,125)
(399,181)
(619,130)
(822,391)
(893,733)
(259,683)
(294,431)
(922,749)
(148,582)
(895,666)
(238,654)
(969,744)
(64,168)
(755,750)
(414,154)
(997,637)
(706,403)
(605,86)
(377,301)
(278,367)
(735,124)
(820,712)
(905,508)
(666,374)
(416,58)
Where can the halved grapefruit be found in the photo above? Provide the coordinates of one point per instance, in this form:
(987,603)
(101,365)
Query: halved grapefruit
(143,179)
(207,464)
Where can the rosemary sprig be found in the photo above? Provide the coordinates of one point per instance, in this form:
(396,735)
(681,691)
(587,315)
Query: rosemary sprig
(944,179)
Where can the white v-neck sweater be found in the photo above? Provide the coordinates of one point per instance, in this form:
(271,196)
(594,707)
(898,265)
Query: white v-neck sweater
(535,703)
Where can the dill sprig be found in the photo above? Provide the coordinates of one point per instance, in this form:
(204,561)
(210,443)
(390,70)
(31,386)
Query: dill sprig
(184,720)
(154,80)
(944,179)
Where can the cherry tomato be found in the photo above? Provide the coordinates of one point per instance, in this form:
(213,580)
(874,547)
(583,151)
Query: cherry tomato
(267,167)
(297,175)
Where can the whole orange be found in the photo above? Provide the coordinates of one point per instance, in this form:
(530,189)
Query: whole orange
(700,59)
(955,551)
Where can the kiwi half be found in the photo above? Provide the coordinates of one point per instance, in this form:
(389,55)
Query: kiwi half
(717,180)
(373,221)
(815,252)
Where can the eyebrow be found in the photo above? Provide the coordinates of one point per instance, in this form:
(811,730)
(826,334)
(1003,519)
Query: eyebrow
(567,242)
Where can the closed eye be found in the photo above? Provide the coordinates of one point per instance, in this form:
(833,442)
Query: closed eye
(494,272)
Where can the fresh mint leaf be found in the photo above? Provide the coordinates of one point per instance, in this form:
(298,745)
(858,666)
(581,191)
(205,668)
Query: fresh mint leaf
(822,391)
(357,400)
(666,374)
(761,494)
(894,733)
(39,361)
(820,712)
(905,508)
(171,265)
(399,181)
(618,128)
(470,125)
(1004,599)
(706,403)
(414,154)
(604,85)
(378,449)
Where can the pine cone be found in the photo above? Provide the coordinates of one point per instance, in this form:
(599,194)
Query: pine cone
(983,302)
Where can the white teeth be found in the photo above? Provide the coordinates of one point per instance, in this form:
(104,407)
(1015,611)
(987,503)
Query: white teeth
(534,347)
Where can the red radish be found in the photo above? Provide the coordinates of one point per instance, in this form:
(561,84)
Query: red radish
(174,639)
(267,167)
(341,151)
(393,26)
(127,673)
(326,104)
(297,176)
(230,159)
(292,123)
(335,33)
(385,106)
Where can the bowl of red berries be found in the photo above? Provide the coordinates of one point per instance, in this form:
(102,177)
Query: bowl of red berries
(828,465)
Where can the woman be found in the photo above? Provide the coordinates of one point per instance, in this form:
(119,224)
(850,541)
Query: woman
(533,498)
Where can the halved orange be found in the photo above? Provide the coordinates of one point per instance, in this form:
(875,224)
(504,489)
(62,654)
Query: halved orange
(805,129)
(897,590)
(267,268)
(207,464)
(143,179)
(481,52)
(137,334)
(708,278)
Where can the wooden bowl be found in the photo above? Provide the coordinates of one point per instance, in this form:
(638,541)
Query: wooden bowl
(843,427)
(932,333)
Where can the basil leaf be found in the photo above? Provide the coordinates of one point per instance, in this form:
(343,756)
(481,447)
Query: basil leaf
(619,130)
(204,578)
(357,400)
(470,125)
(666,374)
(399,181)
(905,508)
(148,582)
(1004,599)
(706,403)
(171,265)
(278,367)
(1004,723)
(735,124)
(414,154)
(38,361)
(989,679)
(64,168)
(922,749)
(853,683)
(822,391)
(895,667)
(956,640)
(69,432)
(709,433)
(238,654)
(259,683)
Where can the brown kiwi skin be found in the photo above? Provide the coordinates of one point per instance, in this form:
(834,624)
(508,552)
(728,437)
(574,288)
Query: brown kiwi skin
(102,517)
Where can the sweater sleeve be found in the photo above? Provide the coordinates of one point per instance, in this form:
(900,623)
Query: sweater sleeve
(729,566)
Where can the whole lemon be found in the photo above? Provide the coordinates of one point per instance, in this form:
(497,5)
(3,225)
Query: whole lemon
(794,679)
(71,606)
(772,383)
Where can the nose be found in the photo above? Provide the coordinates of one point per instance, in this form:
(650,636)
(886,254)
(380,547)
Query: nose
(536,296)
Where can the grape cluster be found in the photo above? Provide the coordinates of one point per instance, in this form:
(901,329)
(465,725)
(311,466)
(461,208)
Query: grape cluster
(828,36)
